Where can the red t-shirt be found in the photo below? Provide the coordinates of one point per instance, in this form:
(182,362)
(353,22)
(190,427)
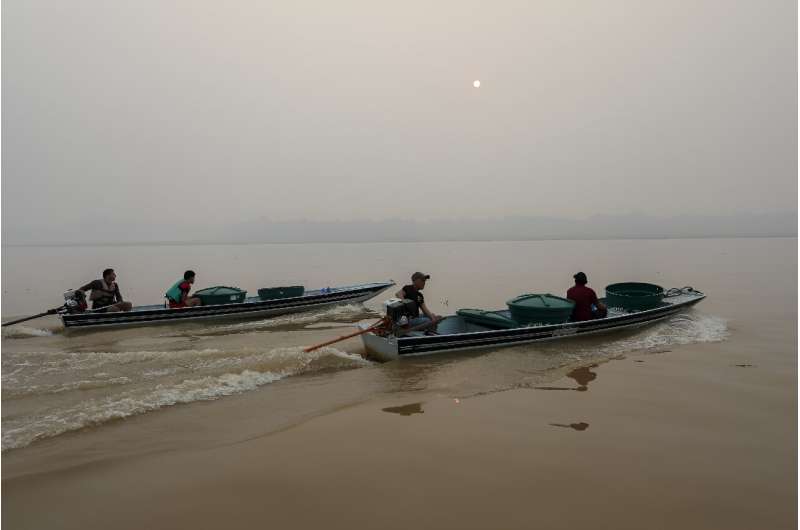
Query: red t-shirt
(583,297)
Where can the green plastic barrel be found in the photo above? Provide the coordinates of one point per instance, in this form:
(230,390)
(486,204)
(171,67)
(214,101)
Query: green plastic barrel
(540,308)
(275,293)
(634,295)
(220,295)
(489,319)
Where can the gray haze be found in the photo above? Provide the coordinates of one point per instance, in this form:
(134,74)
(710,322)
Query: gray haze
(159,120)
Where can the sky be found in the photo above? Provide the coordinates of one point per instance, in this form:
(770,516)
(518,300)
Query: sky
(153,116)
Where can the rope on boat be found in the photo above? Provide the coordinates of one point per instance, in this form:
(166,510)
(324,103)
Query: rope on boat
(677,291)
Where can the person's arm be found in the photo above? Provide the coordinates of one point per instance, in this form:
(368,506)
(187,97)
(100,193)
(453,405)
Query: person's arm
(401,294)
(596,301)
(117,293)
(428,313)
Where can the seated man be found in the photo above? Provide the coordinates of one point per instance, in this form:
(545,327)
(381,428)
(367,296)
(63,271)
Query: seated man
(178,294)
(585,299)
(105,295)
(413,292)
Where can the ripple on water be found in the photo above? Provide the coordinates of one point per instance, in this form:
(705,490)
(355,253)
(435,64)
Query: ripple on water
(69,390)
(148,388)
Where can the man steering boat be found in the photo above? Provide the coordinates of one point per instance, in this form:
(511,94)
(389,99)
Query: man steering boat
(413,292)
(105,295)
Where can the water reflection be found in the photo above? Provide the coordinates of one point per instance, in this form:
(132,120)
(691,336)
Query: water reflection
(406,410)
(583,376)
(581,426)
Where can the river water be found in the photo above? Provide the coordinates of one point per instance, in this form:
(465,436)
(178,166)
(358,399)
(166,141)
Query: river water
(55,382)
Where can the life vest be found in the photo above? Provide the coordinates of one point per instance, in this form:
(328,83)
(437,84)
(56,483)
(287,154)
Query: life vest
(105,296)
(174,293)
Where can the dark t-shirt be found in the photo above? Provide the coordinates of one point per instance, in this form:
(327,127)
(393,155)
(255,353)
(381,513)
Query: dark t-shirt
(413,294)
(583,297)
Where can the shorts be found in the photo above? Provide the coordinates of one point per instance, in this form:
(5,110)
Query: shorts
(418,321)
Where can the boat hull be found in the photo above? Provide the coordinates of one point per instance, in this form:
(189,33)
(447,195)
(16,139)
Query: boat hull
(249,309)
(390,348)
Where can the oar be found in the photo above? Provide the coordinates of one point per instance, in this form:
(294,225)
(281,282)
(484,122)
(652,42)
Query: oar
(343,337)
(48,312)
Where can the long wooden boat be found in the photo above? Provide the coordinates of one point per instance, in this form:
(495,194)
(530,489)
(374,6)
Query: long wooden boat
(454,333)
(252,307)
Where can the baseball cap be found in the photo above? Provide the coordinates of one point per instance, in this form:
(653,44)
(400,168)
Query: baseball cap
(420,276)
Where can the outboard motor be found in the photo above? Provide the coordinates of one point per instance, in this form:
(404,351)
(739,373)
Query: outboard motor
(75,301)
(399,312)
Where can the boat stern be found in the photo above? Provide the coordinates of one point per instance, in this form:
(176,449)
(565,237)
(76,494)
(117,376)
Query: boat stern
(379,348)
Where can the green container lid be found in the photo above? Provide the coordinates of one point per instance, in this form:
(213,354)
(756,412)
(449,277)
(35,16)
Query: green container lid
(540,308)
(220,295)
(221,290)
(541,301)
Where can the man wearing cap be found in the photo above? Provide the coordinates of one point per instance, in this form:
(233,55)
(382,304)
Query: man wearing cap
(413,292)
(585,299)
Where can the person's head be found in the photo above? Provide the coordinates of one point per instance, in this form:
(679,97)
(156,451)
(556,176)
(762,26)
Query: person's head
(109,275)
(580,279)
(189,276)
(419,279)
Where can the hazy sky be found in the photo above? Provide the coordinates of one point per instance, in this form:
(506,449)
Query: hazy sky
(166,112)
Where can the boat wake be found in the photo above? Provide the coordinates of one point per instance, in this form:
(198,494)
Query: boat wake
(347,313)
(77,390)
(679,330)
(20,332)
(47,393)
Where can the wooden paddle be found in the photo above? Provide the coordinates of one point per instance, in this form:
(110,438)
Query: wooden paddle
(343,337)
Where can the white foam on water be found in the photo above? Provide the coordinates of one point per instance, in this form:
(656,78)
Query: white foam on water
(49,362)
(291,319)
(679,330)
(83,384)
(19,331)
(151,395)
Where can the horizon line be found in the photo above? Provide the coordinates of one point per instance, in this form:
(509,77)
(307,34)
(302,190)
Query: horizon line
(376,241)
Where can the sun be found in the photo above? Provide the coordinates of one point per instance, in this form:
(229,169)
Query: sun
(476,83)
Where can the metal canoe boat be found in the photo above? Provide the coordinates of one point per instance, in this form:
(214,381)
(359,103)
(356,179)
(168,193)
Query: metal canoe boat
(454,333)
(253,307)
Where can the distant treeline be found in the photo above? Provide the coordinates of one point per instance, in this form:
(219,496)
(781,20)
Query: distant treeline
(631,226)
(518,228)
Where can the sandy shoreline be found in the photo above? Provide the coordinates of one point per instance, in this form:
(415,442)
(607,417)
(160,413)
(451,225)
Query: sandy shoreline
(655,441)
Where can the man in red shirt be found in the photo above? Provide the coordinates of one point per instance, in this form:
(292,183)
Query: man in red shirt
(584,298)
